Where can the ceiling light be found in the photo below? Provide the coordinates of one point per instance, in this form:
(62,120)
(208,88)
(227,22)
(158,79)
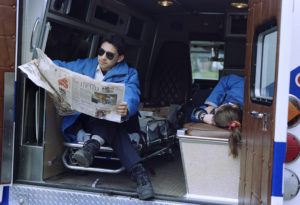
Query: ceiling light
(239,5)
(165,3)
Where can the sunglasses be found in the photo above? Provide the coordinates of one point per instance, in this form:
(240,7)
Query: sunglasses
(109,55)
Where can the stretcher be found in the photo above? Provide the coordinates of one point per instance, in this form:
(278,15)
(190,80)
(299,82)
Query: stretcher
(154,138)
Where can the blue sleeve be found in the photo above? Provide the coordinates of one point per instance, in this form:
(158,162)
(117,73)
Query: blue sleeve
(132,92)
(193,117)
(217,95)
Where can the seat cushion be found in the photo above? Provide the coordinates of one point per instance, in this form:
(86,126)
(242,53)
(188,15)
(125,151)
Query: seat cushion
(202,130)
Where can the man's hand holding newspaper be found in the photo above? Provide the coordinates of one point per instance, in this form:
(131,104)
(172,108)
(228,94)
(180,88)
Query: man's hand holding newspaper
(63,108)
(72,92)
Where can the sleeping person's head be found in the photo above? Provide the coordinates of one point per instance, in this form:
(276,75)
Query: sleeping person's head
(227,113)
(230,116)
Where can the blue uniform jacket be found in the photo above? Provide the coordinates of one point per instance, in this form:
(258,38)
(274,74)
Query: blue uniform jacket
(121,73)
(230,89)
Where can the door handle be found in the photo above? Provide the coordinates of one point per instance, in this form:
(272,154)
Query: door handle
(256,114)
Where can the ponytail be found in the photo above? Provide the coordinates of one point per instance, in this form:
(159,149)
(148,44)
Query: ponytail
(234,138)
(230,117)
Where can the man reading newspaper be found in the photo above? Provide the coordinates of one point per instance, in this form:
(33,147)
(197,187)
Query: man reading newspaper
(109,66)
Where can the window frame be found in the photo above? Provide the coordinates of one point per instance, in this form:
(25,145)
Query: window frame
(256,70)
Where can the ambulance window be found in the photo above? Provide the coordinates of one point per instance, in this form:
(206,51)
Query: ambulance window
(106,15)
(207,58)
(66,43)
(264,63)
(79,9)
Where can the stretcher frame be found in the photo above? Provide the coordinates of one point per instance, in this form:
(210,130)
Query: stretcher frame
(164,143)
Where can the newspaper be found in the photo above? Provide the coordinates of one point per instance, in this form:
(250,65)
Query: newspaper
(73,92)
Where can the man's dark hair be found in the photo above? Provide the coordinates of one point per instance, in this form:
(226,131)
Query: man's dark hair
(115,40)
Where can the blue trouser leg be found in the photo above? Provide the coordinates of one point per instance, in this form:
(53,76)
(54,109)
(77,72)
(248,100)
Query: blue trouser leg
(115,134)
(124,149)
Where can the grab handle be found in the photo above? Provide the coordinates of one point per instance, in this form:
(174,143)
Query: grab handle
(69,7)
(32,43)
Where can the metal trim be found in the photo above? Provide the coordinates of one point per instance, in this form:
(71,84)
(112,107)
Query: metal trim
(8,128)
(30,163)
(80,145)
(45,36)
(208,139)
(111,194)
(91,169)
(33,32)
(184,169)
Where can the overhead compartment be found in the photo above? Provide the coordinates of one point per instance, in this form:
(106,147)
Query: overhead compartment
(109,15)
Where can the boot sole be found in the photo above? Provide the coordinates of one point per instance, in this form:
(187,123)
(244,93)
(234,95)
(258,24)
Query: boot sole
(81,159)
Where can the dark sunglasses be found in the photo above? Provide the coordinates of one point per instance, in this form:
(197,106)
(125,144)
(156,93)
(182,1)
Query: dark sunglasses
(109,55)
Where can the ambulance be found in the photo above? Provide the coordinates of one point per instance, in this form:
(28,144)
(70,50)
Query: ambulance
(181,49)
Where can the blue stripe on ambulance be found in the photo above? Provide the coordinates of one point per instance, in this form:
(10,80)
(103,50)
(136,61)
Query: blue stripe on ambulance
(5,196)
(278,161)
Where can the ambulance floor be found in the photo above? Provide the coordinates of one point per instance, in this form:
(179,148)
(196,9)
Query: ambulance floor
(166,176)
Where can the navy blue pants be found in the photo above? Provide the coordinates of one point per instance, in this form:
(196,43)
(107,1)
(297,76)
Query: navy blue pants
(115,134)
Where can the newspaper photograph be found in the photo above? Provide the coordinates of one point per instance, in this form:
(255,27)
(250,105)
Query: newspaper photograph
(73,92)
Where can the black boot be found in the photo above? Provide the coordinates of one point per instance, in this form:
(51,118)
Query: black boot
(144,187)
(86,154)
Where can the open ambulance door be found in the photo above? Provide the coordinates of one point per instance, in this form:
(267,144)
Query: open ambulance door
(19,34)
(7,66)
(261,155)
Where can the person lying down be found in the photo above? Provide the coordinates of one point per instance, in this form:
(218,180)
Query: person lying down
(223,108)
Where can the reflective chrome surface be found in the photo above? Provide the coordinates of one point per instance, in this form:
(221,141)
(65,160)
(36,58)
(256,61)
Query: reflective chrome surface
(8,127)
(30,163)
(36,195)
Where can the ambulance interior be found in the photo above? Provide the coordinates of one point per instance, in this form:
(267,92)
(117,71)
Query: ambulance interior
(180,52)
